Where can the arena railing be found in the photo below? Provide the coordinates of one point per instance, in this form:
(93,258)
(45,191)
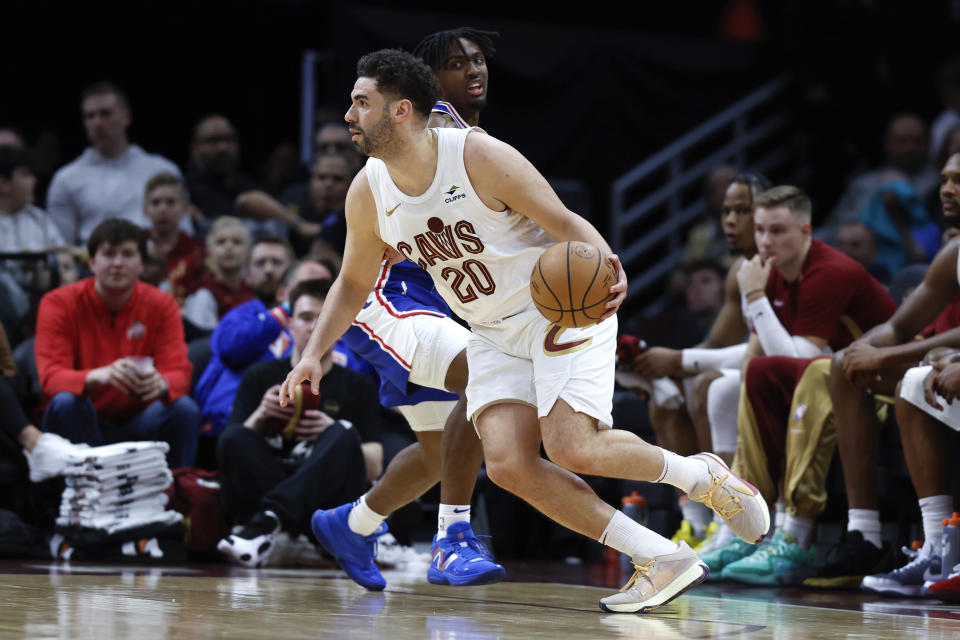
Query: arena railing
(654,204)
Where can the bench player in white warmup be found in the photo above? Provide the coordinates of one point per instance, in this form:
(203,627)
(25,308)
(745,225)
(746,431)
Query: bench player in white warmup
(455,199)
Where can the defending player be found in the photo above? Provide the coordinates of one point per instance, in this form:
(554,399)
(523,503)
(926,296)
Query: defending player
(405,331)
(453,196)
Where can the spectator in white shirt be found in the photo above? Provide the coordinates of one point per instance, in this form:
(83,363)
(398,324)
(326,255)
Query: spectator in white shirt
(107,180)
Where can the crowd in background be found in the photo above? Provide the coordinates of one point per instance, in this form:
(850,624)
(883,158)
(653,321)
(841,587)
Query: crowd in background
(219,262)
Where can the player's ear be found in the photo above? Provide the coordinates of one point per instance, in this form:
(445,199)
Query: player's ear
(402,109)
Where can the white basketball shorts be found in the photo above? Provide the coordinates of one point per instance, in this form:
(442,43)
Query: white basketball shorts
(911,390)
(527,359)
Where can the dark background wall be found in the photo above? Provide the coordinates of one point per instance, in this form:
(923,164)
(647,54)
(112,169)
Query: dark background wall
(585,92)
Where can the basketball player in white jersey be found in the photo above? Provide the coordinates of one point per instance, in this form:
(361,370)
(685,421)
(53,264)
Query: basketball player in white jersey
(454,199)
(406,333)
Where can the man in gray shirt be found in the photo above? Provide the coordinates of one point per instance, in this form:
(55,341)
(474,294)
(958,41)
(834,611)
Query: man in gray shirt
(108,178)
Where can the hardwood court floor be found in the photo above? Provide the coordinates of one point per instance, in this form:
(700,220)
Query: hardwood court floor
(40,600)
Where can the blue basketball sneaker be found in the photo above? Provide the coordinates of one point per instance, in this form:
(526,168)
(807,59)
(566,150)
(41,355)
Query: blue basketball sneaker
(353,552)
(460,559)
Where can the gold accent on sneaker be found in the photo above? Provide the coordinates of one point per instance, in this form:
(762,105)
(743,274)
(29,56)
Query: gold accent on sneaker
(639,571)
(728,505)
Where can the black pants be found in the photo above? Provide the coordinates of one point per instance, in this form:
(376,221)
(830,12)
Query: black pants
(12,418)
(252,478)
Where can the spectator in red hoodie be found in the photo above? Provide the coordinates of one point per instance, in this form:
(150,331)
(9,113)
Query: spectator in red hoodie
(111,355)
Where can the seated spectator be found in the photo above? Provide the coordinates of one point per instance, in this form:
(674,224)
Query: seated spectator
(802,299)
(23,226)
(222,286)
(704,292)
(270,260)
(857,241)
(905,233)
(711,366)
(251,332)
(705,239)
(277,466)
(46,453)
(321,200)
(176,259)
(689,311)
(871,366)
(218,187)
(111,355)
(905,145)
(334,137)
(108,179)
(928,422)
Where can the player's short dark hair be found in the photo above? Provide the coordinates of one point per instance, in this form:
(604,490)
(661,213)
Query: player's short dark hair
(793,198)
(317,288)
(756,183)
(116,231)
(401,75)
(11,159)
(101,88)
(435,48)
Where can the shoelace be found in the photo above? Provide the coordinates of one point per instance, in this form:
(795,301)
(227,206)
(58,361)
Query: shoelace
(728,505)
(472,545)
(639,571)
(480,548)
(917,560)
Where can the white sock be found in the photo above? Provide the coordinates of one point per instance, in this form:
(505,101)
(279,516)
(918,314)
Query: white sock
(630,537)
(680,472)
(779,515)
(799,528)
(450,513)
(363,519)
(867,522)
(698,515)
(933,511)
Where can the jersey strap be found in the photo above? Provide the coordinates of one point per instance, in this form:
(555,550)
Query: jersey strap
(445,107)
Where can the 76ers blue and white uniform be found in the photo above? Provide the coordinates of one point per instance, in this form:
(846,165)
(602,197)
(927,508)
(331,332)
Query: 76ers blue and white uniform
(480,261)
(405,332)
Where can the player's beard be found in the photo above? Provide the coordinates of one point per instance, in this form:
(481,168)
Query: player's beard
(380,140)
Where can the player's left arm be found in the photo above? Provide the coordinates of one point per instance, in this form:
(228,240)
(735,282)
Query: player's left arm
(504,179)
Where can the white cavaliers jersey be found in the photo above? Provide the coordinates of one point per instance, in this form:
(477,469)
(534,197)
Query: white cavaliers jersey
(480,259)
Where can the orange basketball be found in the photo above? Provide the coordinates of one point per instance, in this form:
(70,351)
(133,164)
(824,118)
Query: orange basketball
(571,282)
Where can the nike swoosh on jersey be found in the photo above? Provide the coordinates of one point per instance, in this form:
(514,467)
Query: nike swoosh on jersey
(390,211)
(461,510)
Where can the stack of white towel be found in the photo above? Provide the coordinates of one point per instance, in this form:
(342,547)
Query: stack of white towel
(117,486)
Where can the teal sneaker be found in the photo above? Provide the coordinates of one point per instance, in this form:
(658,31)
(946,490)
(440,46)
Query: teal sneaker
(718,558)
(767,565)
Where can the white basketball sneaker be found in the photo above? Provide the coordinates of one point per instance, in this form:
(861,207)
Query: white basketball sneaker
(735,500)
(657,582)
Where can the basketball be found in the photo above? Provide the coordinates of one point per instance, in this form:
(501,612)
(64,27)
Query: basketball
(571,282)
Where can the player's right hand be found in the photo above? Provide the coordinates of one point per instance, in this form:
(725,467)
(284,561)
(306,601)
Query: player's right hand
(308,369)
(658,362)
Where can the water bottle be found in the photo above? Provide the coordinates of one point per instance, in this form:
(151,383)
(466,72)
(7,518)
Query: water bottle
(950,545)
(635,508)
